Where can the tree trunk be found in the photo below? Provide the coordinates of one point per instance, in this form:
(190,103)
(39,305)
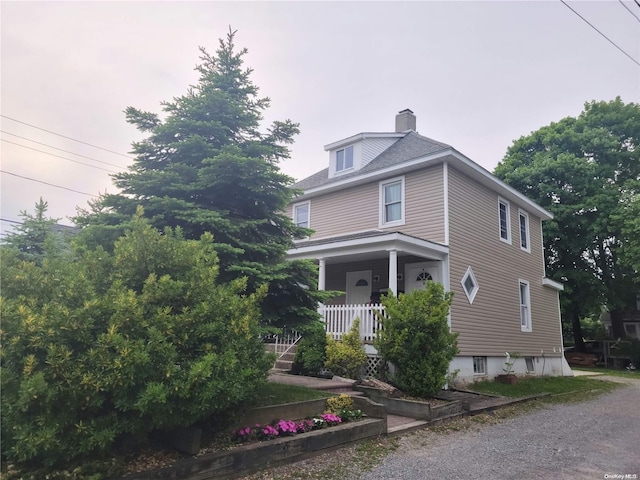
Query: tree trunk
(577,331)
(617,327)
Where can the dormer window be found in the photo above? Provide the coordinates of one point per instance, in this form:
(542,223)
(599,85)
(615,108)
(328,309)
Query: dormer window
(344,159)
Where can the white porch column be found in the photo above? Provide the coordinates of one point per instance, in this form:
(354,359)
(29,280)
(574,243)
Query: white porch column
(393,271)
(321,274)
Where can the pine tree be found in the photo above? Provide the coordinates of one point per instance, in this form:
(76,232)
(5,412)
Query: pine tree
(207,167)
(30,237)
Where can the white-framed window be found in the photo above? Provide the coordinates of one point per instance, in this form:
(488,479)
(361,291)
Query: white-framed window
(528,361)
(503,220)
(479,365)
(525,306)
(392,202)
(301,214)
(523,220)
(470,285)
(344,159)
(632,330)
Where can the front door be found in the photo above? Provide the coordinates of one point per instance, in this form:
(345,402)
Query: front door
(418,274)
(358,287)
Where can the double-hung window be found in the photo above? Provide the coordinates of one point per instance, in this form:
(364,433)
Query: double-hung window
(392,202)
(344,159)
(525,306)
(301,215)
(524,231)
(503,220)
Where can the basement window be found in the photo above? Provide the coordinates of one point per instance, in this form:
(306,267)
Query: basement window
(479,365)
(529,362)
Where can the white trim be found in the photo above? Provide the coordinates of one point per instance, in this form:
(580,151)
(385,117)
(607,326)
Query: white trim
(445,181)
(300,204)
(359,137)
(547,282)
(384,241)
(527,303)
(459,160)
(469,274)
(502,201)
(544,263)
(381,201)
(525,215)
(519,197)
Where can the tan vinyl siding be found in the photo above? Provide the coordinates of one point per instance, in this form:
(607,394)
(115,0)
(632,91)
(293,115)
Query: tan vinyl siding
(351,210)
(491,325)
(425,204)
(357,209)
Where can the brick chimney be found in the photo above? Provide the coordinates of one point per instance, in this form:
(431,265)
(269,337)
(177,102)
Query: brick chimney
(405,120)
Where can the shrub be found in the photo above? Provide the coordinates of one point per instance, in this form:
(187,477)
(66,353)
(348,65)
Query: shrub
(416,339)
(341,402)
(311,354)
(347,357)
(96,347)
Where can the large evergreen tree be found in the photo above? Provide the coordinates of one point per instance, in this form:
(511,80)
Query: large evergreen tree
(207,167)
(581,169)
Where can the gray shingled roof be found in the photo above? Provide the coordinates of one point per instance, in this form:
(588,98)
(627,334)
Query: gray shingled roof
(409,147)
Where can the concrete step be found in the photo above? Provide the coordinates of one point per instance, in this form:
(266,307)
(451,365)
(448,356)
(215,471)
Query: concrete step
(284,365)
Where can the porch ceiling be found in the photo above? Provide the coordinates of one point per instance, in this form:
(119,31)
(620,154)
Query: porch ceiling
(367,246)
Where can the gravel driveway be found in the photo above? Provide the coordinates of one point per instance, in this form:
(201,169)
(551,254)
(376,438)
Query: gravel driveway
(597,439)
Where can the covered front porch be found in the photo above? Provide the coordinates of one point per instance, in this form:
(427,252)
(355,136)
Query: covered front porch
(364,267)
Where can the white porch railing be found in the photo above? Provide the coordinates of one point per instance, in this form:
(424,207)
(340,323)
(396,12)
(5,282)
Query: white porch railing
(339,318)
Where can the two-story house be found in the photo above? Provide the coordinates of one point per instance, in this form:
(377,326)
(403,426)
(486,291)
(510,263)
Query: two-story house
(395,210)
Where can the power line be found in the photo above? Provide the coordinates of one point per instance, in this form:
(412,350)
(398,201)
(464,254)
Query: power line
(608,39)
(10,221)
(58,156)
(50,184)
(629,10)
(62,150)
(68,138)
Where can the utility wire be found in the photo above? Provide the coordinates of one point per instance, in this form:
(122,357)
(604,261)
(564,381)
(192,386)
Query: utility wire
(608,39)
(58,156)
(68,138)
(65,151)
(10,221)
(637,3)
(50,184)
(629,10)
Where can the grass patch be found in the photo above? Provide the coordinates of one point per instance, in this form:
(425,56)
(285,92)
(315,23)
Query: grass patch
(583,387)
(609,371)
(278,393)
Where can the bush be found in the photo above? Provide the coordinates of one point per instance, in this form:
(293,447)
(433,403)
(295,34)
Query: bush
(97,347)
(311,354)
(347,357)
(341,402)
(415,338)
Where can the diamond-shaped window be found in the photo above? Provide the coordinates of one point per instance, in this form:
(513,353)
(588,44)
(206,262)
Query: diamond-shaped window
(470,284)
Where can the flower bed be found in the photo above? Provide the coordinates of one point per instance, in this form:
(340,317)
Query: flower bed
(250,457)
(287,428)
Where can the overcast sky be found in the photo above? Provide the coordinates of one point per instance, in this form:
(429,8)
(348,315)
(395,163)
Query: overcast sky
(478,75)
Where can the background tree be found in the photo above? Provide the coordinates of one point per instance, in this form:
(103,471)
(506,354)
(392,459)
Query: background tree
(580,169)
(30,237)
(207,167)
